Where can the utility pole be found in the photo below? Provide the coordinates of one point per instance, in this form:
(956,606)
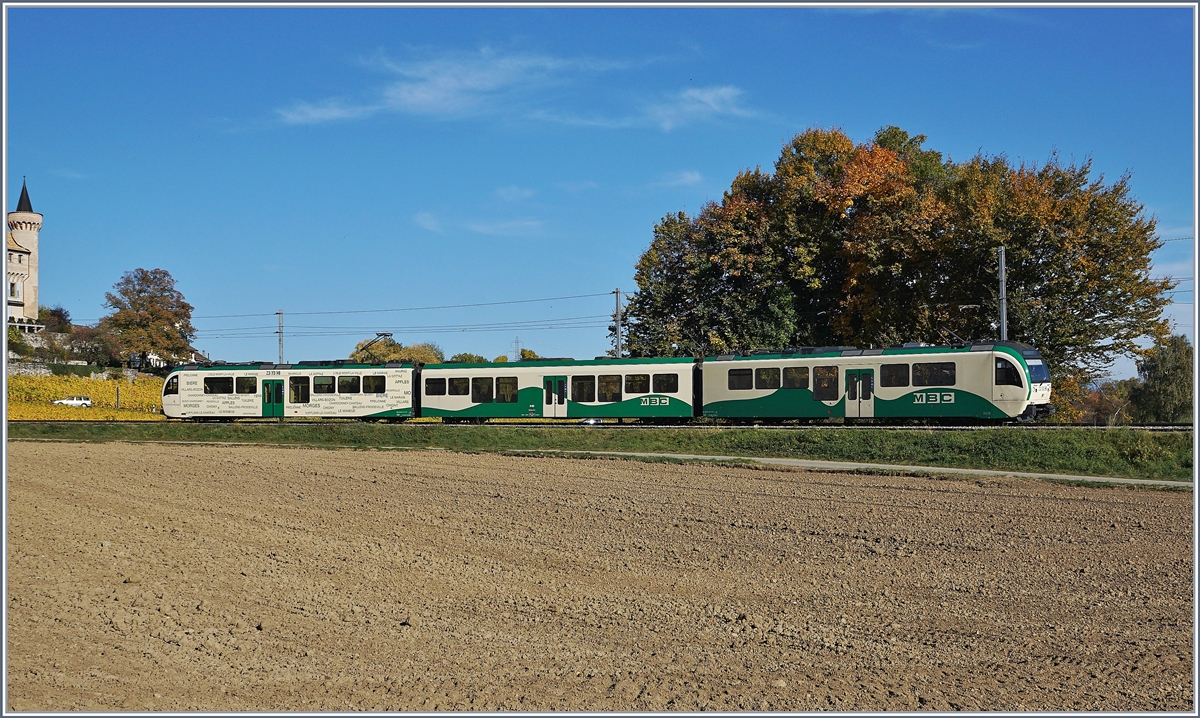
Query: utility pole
(1003,300)
(617,292)
(280,332)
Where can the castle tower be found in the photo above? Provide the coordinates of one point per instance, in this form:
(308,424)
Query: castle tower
(22,291)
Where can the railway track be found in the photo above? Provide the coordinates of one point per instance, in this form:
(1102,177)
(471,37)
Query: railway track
(633,427)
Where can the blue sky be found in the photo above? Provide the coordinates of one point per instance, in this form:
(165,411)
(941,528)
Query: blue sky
(326,160)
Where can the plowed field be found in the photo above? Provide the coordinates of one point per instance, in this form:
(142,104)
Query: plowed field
(241,578)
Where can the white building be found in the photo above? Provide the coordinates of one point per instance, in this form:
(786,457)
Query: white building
(23,227)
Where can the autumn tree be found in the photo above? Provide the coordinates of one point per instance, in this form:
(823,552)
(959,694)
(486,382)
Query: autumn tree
(56,319)
(389,350)
(886,242)
(468,358)
(149,315)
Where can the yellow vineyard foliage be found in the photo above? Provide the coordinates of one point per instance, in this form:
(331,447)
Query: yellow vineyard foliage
(53,412)
(142,395)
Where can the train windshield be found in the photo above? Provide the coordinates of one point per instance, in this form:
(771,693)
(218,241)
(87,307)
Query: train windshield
(1038,373)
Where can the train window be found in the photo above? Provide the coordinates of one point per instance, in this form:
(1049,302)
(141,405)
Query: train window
(460,386)
(666,383)
(218,385)
(374,384)
(637,383)
(893,375)
(506,390)
(298,390)
(940,373)
(740,379)
(1038,373)
(1007,374)
(608,388)
(825,384)
(481,390)
(435,387)
(583,388)
(795,377)
(348,384)
(766,378)
(246,385)
(172,386)
(868,385)
(323,385)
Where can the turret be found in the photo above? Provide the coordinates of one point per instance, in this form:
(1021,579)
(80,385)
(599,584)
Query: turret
(23,226)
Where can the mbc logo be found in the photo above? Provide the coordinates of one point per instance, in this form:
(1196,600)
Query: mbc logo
(934,398)
(656,401)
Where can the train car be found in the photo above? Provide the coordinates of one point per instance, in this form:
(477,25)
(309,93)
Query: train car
(983,380)
(328,389)
(559,388)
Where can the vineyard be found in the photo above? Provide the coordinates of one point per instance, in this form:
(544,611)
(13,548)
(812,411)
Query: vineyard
(30,397)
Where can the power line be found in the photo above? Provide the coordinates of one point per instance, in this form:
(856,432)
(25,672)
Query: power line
(407,309)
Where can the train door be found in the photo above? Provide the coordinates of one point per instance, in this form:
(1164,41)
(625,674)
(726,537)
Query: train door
(555,399)
(272,397)
(860,393)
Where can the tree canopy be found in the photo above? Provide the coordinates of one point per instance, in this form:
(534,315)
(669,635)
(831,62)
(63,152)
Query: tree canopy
(886,242)
(1165,391)
(149,315)
(389,350)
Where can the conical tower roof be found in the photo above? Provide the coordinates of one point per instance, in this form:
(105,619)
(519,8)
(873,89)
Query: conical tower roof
(23,204)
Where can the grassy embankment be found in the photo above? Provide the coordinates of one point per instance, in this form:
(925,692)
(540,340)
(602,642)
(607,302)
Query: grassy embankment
(1117,453)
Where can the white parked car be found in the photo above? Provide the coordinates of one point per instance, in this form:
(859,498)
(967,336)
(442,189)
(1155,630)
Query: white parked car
(75,401)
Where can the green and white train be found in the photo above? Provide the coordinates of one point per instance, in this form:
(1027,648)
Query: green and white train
(994,381)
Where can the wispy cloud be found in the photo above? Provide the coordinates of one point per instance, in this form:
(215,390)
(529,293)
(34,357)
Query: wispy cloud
(69,174)
(577,186)
(513,193)
(506,228)
(680,179)
(453,85)
(698,103)
(429,222)
(305,113)
(525,85)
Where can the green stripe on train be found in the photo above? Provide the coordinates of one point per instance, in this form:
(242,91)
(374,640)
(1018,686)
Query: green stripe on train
(799,404)
(781,404)
(528,403)
(938,402)
(652,406)
(390,413)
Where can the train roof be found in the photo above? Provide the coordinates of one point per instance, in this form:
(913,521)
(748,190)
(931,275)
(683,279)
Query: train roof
(1023,350)
(599,361)
(323,364)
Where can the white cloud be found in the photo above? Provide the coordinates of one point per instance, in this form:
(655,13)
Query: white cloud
(696,104)
(513,193)
(69,174)
(506,228)
(680,179)
(429,222)
(304,113)
(487,82)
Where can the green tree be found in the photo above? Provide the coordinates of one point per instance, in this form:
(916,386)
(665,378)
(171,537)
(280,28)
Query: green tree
(529,355)
(1165,392)
(149,315)
(500,359)
(468,358)
(17,343)
(389,350)
(56,319)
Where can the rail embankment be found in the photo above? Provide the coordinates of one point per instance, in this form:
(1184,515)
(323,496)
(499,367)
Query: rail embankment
(1123,453)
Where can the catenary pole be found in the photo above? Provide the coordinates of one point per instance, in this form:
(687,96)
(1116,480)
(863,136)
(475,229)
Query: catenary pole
(617,292)
(1003,300)
(280,332)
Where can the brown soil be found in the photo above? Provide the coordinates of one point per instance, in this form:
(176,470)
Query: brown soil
(242,578)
